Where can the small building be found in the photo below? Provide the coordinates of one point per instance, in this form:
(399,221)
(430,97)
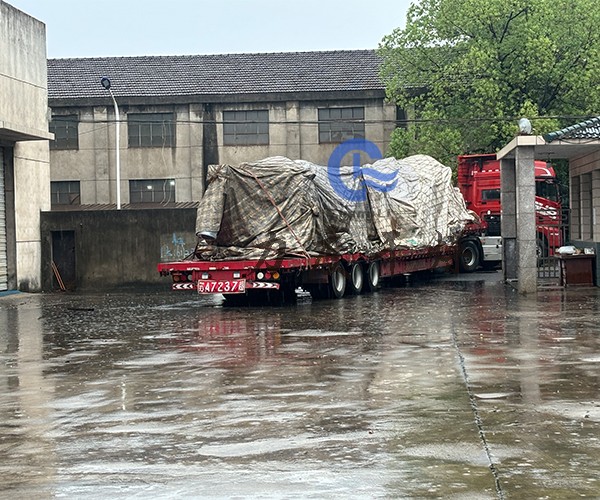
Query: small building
(179,114)
(24,155)
(582,140)
(580,145)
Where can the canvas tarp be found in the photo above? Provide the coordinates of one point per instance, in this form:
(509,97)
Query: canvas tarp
(280,207)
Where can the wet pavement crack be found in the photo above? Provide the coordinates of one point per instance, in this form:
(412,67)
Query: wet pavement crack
(478,420)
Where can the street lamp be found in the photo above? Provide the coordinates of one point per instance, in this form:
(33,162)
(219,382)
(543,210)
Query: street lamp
(105,82)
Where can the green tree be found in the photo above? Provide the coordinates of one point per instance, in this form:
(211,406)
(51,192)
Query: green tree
(466,70)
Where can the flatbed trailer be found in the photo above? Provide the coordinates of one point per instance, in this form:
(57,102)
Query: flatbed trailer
(328,276)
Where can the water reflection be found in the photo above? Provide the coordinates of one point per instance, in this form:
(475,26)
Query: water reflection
(135,394)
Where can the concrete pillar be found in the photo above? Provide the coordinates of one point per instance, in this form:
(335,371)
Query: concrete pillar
(508,199)
(293,142)
(526,229)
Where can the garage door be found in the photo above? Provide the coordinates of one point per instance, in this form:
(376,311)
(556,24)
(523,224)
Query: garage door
(3,260)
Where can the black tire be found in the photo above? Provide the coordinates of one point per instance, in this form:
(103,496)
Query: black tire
(469,257)
(373,276)
(337,281)
(356,281)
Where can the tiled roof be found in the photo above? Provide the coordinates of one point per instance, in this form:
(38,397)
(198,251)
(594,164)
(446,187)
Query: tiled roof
(226,74)
(589,129)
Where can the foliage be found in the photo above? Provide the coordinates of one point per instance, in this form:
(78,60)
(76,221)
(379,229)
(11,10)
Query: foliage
(467,70)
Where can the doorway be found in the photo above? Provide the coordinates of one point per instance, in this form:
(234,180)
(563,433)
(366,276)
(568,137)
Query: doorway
(63,260)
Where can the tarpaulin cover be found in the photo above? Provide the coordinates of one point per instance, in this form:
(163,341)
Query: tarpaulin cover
(279,207)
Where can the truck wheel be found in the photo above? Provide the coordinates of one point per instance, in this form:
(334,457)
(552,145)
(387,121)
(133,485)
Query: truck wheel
(373,276)
(357,278)
(337,281)
(469,256)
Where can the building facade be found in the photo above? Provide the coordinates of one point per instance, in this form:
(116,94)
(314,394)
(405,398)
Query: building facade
(24,155)
(584,179)
(583,142)
(179,114)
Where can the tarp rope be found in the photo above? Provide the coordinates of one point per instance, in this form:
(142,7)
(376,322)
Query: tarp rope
(304,253)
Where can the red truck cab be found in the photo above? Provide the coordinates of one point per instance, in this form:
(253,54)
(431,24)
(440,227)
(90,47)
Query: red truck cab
(479,182)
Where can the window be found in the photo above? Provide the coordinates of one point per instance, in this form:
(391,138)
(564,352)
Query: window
(65,193)
(341,124)
(66,132)
(245,128)
(547,189)
(146,130)
(490,194)
(152,191)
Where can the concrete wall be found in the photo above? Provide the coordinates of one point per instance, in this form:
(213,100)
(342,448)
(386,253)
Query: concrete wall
(32,194)
(118,248)
(293,132)
(23,122)
(22,70)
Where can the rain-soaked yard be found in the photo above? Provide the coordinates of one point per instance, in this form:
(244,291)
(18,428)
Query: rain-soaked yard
(449,388)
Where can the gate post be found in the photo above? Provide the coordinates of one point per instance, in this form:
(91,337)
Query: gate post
(517,174)
(508,220)
(526,230)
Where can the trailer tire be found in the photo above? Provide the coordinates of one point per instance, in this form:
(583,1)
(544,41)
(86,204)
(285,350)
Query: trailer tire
(373,276)
(337,281)
(469,256)
(357,279)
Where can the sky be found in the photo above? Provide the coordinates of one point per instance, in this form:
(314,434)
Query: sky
(96,28)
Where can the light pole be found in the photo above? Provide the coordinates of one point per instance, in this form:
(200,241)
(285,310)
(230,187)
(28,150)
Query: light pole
(105,82)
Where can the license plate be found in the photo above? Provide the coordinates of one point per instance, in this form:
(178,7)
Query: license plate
(224,286)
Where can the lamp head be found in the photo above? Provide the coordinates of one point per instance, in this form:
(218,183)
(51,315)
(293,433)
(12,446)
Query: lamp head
(105,82)
(525,127)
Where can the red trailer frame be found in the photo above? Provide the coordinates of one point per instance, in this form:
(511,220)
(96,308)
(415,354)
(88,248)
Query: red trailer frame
(330,276)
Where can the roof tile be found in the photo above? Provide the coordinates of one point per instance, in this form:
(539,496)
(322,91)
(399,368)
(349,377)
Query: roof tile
(589,129)
(224,74)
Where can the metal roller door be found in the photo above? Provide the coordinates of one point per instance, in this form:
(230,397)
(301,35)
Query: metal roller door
(3,259)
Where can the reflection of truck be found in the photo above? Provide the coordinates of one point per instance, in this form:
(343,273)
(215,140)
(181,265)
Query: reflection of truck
(270,227)
(479,182)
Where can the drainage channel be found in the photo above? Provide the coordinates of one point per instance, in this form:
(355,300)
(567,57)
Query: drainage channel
(478,421)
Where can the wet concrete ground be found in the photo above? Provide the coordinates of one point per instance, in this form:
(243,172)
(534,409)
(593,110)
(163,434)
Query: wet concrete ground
(453,388)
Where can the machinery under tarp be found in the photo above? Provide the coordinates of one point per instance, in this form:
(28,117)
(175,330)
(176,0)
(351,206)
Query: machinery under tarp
(279,207)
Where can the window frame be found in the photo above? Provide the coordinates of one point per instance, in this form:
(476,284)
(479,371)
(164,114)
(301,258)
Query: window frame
(67,136)
(153,186)
(246,127)
(68,197)
(151,130)
(334,129)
